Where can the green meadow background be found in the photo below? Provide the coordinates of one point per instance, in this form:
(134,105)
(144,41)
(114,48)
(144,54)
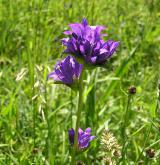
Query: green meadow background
(35,115)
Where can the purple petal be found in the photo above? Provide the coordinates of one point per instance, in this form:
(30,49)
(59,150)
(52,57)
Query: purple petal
(82,49)
(76,28)
(84,141)
(71,46)
(88,48)
(114,46)
(88,130)
(76,67)
(99,29)
(91,138)
(54,76)
(75,35)
(111,46)
(62,76)
(71,136)
(103,51)
(84,144)
(84,22)
(102,58)
(65,41)
(67,32)
(91,60)
(67,70)
(80,132)
(78,70)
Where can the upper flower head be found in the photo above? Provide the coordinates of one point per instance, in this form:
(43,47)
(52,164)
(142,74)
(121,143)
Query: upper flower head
(66,71)
(84,137)
(86,42)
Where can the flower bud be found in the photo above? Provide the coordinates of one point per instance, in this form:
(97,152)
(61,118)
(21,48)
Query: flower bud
(132,90)
(150,153)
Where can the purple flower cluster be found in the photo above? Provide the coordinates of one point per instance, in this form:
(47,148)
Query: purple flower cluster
(86,42)
(66,71)
(84,137)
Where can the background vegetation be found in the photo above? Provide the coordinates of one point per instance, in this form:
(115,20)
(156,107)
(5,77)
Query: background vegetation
(35,116)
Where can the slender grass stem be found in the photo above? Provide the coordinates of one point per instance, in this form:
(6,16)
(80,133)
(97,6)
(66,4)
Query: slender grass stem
(124,136)
(49,139)
(146,140)
(151,125)
(80,104)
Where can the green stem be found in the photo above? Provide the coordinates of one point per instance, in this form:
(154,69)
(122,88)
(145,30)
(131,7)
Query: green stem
(145,142)
(80,104)
(124,127)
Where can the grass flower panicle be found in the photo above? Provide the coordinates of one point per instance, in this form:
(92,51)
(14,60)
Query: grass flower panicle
(87,42)
(109,142)
(109,147)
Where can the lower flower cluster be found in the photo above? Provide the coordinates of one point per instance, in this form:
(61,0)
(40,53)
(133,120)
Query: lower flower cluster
(84,138)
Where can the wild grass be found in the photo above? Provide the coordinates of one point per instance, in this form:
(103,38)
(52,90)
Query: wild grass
(35,116)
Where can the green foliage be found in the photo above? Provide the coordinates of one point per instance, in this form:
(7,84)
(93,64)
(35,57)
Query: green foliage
(36,115)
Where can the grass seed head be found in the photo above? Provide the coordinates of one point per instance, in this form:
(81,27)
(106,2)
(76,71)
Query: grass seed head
(109,148)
